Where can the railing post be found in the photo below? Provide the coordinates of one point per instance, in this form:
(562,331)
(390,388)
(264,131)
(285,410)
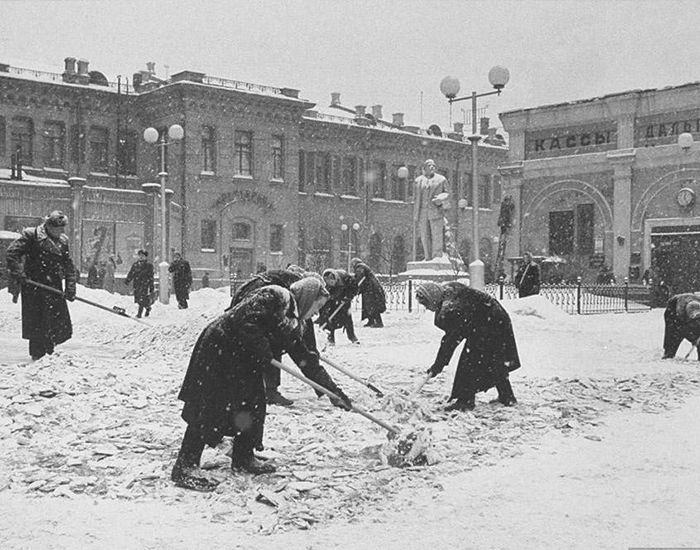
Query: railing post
(578,295)
(410,295)
(627,291)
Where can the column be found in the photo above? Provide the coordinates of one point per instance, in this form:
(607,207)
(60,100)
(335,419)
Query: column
(621,161)
(77,185)
(150,231)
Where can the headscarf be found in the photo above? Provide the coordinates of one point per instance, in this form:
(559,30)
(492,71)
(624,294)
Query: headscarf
(431,293)
(331,274)
(56,219)
(692,310)
(354,262)
(296,270)
(306,291)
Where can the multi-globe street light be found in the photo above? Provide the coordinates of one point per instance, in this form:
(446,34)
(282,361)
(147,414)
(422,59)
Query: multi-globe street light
(449,86)
(349,228)
(151,135)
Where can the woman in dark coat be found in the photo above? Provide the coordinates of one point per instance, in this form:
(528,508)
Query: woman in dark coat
(224,391)
(527,279)
(373,296)
(41,254)
(182,279)
(141,273)
(489,352)
(681,322)
(335,313)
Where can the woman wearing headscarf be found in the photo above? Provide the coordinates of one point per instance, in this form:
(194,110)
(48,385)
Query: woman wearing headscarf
(373,296)
(490,351)
(335,313)
(224,391)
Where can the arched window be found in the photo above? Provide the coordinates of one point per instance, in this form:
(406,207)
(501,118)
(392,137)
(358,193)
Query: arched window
(320,256)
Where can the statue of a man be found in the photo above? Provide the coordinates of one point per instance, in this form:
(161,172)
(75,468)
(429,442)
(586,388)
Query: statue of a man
(431,193)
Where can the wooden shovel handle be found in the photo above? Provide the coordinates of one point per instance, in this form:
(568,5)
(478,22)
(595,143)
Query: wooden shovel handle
(371,386)
(329,393)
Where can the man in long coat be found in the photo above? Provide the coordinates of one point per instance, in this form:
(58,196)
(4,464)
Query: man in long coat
(182,279)
(682,322)
(41,254)
(490,351)
(527,279)
(141,273)
(373,296)
(224,391)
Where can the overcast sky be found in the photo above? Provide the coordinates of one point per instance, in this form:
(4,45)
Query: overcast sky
(388,52)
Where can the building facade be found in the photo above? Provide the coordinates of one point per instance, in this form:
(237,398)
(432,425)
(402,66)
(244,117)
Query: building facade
(261,179)
(605,182)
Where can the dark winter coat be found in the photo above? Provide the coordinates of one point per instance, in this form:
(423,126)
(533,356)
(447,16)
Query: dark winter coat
(681,322)
(490,351)
(141,273)
(45,315)
(527,279)
(373,296)
(182,277)
(223,390)
(342,295)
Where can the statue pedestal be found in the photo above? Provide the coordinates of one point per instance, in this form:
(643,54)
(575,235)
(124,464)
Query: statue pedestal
(438,269)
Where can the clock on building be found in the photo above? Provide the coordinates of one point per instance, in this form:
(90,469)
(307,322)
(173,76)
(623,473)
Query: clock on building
(685,197)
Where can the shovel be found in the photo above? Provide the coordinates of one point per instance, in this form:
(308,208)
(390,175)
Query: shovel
(342,304)
(695,345)
(371,386)
(406,450)
(116,310)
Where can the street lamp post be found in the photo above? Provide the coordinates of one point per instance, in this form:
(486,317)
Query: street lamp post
(345,227)
(498,77)
(151,135)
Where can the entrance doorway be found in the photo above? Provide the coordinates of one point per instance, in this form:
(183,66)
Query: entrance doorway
(675,252)
(241,262)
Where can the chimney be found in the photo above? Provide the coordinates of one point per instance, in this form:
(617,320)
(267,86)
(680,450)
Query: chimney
(83,66)
(483,125)
(397,119)
(151,67)
(459,127)
(377,111)
(70,64)
(335,99)
(360,110)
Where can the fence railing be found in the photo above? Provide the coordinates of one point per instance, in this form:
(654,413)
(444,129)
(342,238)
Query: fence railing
(578,298)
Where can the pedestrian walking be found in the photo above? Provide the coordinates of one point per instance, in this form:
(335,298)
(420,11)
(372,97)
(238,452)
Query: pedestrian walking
(110,270)
(182,279)
(527,279)
(335,313)
(205,280)
(224,390)
(42,254)
(490,351)
(141,273)
(372,292)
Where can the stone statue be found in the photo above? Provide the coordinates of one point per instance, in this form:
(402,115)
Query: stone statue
(431,198)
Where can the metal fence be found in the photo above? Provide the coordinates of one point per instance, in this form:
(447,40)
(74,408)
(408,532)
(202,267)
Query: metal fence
(578,298)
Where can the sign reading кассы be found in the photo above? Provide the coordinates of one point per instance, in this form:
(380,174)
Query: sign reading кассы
(576,140)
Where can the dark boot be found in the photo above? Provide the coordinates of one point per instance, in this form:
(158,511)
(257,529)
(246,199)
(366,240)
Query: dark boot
(331,339)
(274,397)
(462,404)
(350,329)
(505,393)
(148,311)
(187,461)
(242,459)
(140,312)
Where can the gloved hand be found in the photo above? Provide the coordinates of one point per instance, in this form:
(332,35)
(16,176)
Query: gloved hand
(69,294)
(344,401)
(434,370)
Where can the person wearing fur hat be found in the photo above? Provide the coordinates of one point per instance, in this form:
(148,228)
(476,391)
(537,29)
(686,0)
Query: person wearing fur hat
(224,390)
(489,352)
(681,322)
(41,254)
(141,273)
(372,292)
(284,278)
(335,313)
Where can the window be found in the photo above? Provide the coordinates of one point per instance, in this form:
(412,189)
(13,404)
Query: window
(22,139)
(277,157)
(77,144)
(350,175)
(310,170)
(276,237)
(126,154)
(323,173)
(2,137)
(468,193)
(336,183)
(398,185)
(243,153)
(241,231)
(584,229)
(561,233)
(208,149)
(380,180)
(99,149)
(54,143)
(485,191)
(209,235)
(410,183)
(497,189)
(302,171)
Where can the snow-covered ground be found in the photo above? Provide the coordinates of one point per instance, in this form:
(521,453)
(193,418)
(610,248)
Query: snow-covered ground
(602,451)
